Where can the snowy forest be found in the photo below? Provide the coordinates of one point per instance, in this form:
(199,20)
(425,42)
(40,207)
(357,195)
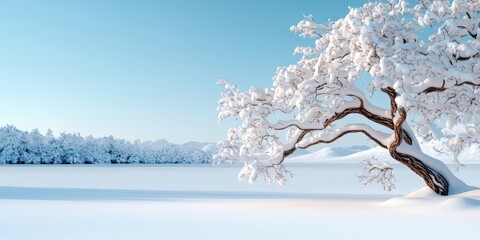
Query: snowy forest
(22,147)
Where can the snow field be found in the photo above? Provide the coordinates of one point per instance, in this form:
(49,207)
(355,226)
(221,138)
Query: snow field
(322,201)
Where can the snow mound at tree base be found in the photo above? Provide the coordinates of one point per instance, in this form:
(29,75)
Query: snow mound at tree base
(466,199)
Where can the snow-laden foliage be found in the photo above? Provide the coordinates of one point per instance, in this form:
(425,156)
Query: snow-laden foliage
(424,55)
(20,147)
(380,173)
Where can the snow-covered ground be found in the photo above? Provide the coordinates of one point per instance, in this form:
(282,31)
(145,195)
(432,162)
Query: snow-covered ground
(321,201)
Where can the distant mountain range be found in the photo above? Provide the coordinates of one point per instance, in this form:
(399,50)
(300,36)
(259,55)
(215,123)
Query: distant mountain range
(356,154)
(333,154)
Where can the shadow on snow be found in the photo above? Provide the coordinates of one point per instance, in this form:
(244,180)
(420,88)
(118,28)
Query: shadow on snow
(86,194)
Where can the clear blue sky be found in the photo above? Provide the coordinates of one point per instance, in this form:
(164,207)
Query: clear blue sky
(141,69)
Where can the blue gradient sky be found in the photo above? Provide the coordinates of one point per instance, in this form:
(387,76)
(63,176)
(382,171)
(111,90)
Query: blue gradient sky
(141,69)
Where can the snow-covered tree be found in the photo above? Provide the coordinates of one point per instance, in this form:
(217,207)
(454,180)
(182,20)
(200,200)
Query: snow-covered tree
(36,150)
(9,146)
(70,146)
(424,55)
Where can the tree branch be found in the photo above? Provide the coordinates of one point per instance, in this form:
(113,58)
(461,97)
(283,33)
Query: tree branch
(377,136)
(393,108)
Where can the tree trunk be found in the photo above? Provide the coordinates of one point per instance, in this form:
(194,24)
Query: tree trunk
(436,181)
(432,178)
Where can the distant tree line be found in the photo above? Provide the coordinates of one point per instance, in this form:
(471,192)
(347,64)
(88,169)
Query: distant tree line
(21,147)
